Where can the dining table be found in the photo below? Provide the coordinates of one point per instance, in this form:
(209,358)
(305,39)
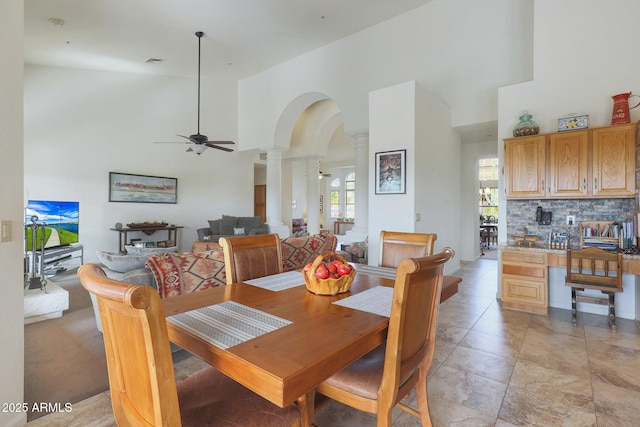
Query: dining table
(277,338)
(315,339)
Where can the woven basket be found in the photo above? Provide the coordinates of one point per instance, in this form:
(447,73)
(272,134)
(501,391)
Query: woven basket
(327,286)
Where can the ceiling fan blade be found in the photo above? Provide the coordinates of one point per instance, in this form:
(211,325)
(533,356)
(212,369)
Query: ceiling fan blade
(218,148)
(192,141)
(219,142)
(171,142)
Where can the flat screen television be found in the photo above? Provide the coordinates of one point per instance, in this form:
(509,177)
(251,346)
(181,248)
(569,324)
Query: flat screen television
(60,220)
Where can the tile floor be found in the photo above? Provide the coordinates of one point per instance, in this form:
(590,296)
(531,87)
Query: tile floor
(492,367)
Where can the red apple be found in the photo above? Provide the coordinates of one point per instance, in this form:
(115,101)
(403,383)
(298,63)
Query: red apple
(322,272)
(344,269)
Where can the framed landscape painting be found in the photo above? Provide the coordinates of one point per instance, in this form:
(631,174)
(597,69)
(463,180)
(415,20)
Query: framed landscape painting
(124,187)
(391,172)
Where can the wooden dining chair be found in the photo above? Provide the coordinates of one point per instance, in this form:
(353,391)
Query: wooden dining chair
(379,380)
(594,268)
(396,246)
(141,376)
(249,257)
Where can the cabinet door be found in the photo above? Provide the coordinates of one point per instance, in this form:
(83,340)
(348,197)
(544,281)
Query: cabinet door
(614,161)
(525,167)
(568,164)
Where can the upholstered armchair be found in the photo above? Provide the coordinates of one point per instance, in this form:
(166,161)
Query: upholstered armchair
(298,225)
(358,251)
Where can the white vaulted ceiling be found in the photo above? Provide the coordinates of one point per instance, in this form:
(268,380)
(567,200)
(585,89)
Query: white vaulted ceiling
(242,37)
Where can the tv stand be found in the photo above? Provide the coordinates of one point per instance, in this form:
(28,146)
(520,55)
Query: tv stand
(49,261)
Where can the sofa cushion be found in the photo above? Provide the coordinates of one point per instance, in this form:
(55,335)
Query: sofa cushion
(299,251)
(133,250)
(181,273)
(263,229)
(214,225)
(122,263)
(227,224)
(249,222)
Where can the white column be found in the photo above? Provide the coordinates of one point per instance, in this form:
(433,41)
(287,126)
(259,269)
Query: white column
(274,194)
(313,196)
(360,229)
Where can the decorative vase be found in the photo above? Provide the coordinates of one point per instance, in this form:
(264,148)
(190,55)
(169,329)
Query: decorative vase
(526,126)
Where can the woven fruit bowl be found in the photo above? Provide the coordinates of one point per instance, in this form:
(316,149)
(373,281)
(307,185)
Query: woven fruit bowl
(330,285)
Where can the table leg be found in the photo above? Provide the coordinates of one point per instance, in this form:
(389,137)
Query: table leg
(305,405)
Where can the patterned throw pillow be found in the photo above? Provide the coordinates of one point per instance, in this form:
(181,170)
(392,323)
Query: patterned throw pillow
(183,273)
(238,231)
(298,251)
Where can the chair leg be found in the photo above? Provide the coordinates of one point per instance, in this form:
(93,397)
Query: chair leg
(612,311)
(574,308)
(422,399)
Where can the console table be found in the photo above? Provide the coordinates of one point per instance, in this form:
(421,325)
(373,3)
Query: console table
(122,236)
(337,224)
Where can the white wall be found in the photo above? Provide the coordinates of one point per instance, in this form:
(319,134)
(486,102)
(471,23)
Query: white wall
(11,209)
(80,125)
(461,50)
(437,169)
(392,116)
(408,117)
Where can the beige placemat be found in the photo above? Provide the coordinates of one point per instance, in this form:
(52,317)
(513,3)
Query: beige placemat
(376,300)
(227,324)
(278,282)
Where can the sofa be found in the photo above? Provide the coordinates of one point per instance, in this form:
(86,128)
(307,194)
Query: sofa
(230,225)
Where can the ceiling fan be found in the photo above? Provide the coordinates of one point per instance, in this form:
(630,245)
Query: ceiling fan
(201,141)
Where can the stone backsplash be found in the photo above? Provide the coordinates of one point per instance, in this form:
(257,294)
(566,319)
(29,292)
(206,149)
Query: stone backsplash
(522,213)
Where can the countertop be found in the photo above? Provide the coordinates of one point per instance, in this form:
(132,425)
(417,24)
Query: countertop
(544,248)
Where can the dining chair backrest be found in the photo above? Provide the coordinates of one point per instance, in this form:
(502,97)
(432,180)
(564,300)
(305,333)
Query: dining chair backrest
(249,257)
(141,376)
(413,320)
(396,246)
(382,378)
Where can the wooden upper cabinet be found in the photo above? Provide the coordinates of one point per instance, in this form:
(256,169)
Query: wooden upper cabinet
(590,163)
(614,161)
(525,167)
(568,164)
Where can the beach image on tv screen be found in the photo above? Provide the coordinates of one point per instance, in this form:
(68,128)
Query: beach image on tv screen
(60,220)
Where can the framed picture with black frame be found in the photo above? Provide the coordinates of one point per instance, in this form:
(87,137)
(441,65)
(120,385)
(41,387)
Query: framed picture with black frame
(391,172)
(125,187)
